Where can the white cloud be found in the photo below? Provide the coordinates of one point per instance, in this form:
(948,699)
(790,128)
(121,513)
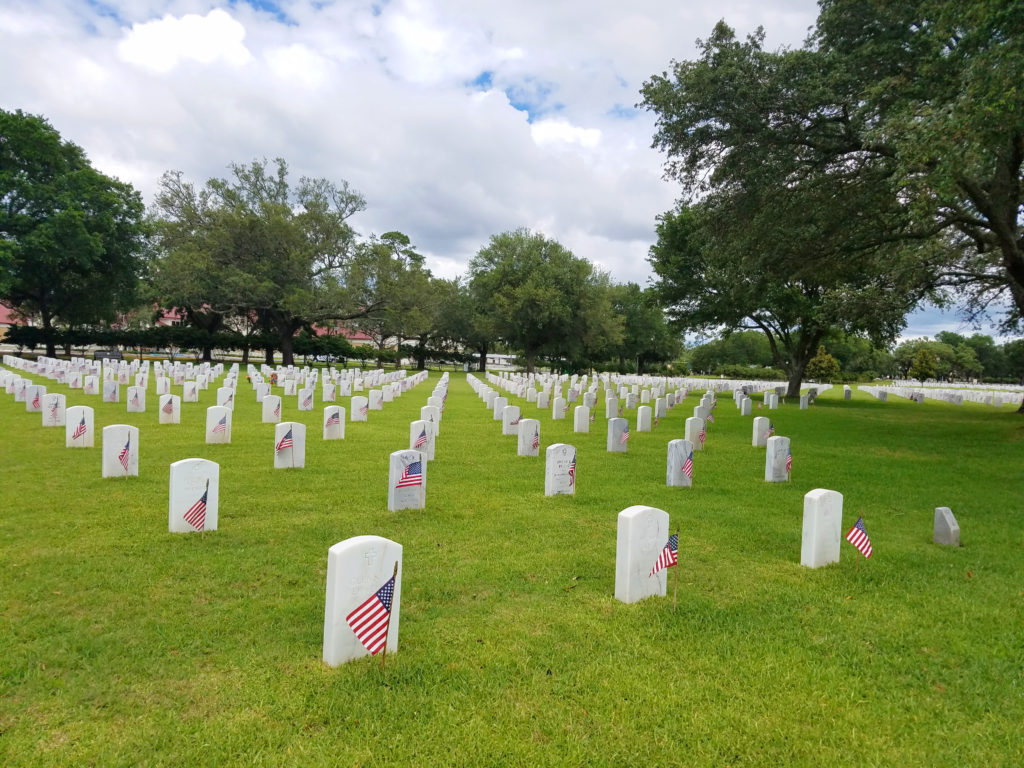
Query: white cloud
(382,93)
(160,45)
(548,132)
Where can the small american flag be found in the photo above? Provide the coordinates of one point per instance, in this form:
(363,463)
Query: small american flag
(370,620)
(688,466)
(536,440)
(412,474)
(35,401)
(286,442)
(859,538)
(334,420)
(514,421)
(79,430)
(591,416)
(625,435)
(364,410)
(669,555)
(771,428)
(702,435)
(572,470)
(759,406)
(123,456)
(620,410)
(54,407)
(307,402)
(229,400)
(711,418)
(196,515)
(655,422)
(168,407)
(277,410)
(135,399)
(221,426)
(421,440)
(789,462)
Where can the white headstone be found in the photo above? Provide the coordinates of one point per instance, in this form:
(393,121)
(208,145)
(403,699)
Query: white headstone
(271,409)
(581,419)
(290,387)
(376,400)
(218,424)
(194,496)
(432,414)
(498,407)
(760,434)
(170,409)
(226,397)
(111,392)
(190,392)
(305,399)
(559,469)
(746,406)
(359,408)
(407,481)
(289,445)
(53,410)
(510,420)
(822,528)
(78,427)
(611,407)
(543,400)
(329,392)
(357,621)
(388,394)
(421,438)
(679,470)
(777,460)
(558,408)
(34,394)
(334,422)
(695,432)
(642,535)
(120,451)
(163,385)
(529,438)
(643,418)
(618,435)
(947,529)
(803,402)
(136,400)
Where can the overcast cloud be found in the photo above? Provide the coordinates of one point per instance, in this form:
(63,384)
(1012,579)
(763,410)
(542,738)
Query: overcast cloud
(456,119)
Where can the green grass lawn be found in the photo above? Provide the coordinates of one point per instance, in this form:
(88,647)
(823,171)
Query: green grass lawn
(123,644)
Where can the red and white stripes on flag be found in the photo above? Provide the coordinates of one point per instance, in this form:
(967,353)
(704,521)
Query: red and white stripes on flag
(625,435)
(536,439)
(859,538)
(168,407)
(572,470)
(334,420)
(669,556)
(125,454)
(412,474)
(221,426)
(688,466)
(370,620)
(196,514)
(286,442)
(79,430)
(421,440)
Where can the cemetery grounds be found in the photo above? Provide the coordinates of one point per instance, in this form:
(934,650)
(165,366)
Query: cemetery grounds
(123,644)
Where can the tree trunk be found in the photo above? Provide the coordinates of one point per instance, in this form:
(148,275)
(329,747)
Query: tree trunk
(287,350)
(245,355)
(482,349)
(530,357)
(269,352)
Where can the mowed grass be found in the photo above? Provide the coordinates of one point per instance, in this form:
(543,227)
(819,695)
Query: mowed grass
(123,644)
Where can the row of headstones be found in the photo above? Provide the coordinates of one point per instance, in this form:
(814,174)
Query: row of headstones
(407,469)
(79,373)
(364,573)
(954,396)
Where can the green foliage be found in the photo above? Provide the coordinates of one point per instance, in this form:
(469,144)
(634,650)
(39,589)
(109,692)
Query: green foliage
(922,367)
(823,367)
(71,239)
(542,299)
(255,246)
(124,644)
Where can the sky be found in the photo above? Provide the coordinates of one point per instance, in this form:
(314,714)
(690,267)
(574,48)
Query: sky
(455,119)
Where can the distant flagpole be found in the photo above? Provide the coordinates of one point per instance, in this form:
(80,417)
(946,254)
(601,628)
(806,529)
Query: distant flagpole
(387,627)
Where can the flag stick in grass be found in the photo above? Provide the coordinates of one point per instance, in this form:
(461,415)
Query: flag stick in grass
(387,627)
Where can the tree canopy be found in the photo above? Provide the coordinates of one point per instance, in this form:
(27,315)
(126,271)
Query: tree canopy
(71,238)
